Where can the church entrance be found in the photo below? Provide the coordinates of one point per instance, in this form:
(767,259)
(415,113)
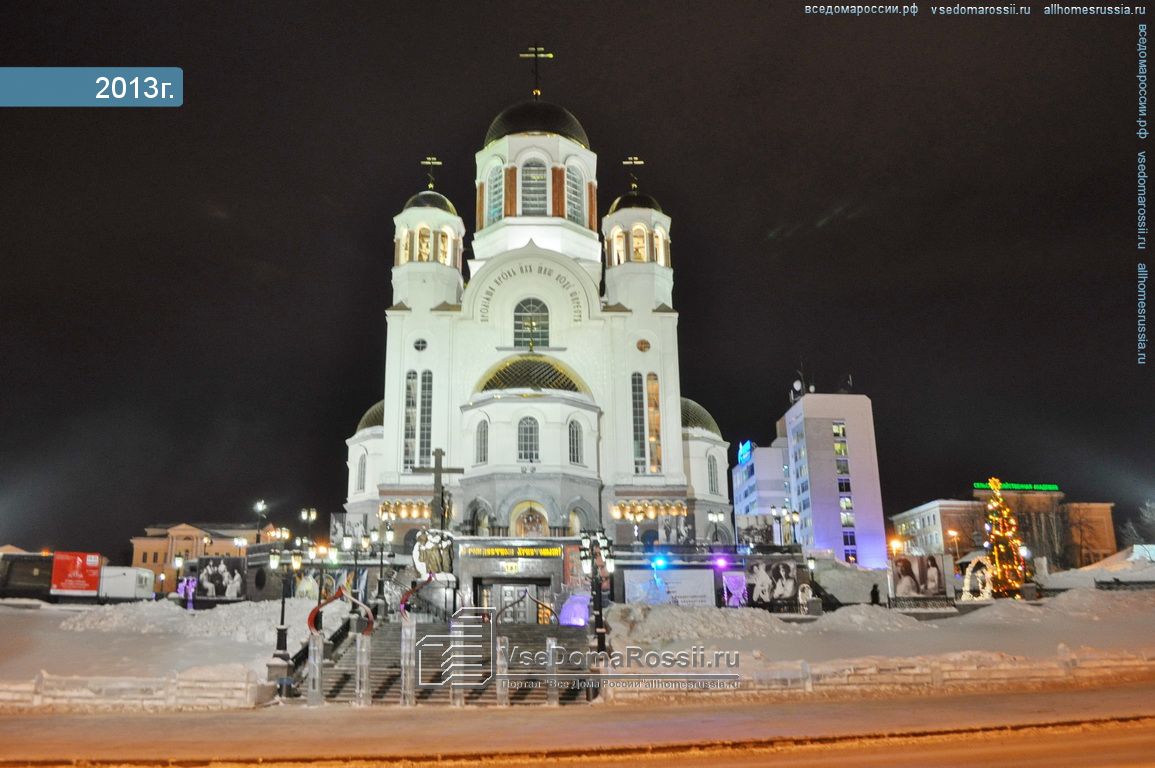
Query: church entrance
(528,521)
(514,599)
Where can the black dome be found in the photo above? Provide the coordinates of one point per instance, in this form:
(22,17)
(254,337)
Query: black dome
(635,199)
(537,117)
(429,199)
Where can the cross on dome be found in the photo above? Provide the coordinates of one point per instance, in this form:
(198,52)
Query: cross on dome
(536,53)
(430,162)
(633,161)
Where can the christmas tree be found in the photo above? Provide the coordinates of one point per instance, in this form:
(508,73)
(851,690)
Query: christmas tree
(1007,571)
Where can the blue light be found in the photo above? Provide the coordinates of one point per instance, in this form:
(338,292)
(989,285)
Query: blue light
(658,563)
(745,448)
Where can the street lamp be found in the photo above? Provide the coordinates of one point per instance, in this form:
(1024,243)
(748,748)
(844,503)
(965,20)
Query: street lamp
(953,536)
(261,508)
(795,517)
(895,547)
(594,545)
(239,542)
(716,518)
(309,516)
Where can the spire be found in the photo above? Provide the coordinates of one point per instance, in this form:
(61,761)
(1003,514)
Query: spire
(430,162)
(632,162)
(536,53)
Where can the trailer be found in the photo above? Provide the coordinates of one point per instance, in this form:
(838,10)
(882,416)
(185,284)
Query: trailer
(124,583)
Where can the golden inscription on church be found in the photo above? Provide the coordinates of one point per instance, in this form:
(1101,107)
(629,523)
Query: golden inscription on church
(474,550)
(565,282)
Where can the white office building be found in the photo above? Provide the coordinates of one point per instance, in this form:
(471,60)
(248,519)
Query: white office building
(834,483)
(761,482)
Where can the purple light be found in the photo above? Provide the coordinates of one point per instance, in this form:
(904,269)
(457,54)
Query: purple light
(720,562)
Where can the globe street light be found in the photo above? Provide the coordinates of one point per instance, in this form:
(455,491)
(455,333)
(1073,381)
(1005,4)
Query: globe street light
(309,516)
(953,536)
(261,509)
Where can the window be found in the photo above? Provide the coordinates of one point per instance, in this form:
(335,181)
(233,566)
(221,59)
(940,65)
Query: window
(846,503)
(361,473)
(426,432)
(850,555)
(423,243)
(619,248)
(638,243)
(643,345)
(481,447)
(443,241)
(495,195)
(531,324)
(575,443)
(409,433)
(844,485)
(406,246)
(144,557)
(420,345)
(839,428)
(638,413)
(533,197)
(527,439)
(848,539)
(842,466)
(660,247)
(847,519)
(575,183)
(654,417)
(155,555)
(840,449)
(712,474)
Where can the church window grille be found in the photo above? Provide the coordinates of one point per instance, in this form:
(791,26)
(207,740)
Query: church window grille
(712,474)
(409,435)
(533,188)
(638,243)
(575,195)
(639,416)
(654,417)
(423,243)
(426,418)
(575,443)
(495,195)
(527,440)
(361,473)
(481,448)
(531,322)
(619,247)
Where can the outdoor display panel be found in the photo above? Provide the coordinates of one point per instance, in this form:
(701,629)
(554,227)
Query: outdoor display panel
(76,574)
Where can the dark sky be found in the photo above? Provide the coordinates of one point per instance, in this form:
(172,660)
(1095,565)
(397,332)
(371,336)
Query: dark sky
(191,300)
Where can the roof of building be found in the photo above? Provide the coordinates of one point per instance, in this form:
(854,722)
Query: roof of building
(635,199)
(694,415)
(535,116)
(217,528)
(427,198)
(532,372)
(374,417)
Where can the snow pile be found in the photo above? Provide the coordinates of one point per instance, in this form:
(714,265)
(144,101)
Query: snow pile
(1132,564)
(1009,612)
(865,618)
(640,624)
(1097,604)
(849,583)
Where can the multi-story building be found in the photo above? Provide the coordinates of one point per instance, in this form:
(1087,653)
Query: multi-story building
(761,482)
(950,526)
(833,475)
(162,542)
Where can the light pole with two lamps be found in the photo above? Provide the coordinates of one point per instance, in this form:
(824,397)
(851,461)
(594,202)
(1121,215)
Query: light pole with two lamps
(595,545)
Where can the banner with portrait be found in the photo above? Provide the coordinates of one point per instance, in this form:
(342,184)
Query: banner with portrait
(918,576)
(773,581)
(221,578)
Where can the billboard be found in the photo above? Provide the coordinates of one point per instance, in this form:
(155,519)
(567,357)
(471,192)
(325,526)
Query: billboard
(76,574)
(917,576)
(221,577)
(773,581)
(688,587)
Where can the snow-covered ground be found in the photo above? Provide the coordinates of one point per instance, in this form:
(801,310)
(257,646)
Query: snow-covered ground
(1079,619)
(147,639)
(1132,564)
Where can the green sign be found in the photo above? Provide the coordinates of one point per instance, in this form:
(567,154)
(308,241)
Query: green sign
(1020,487)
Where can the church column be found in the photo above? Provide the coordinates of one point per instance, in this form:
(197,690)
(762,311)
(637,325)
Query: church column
(558,206)
(592,206)
(480,211)
(511,191)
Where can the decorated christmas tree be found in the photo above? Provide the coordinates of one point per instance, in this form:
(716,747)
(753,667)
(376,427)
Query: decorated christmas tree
(1007,571)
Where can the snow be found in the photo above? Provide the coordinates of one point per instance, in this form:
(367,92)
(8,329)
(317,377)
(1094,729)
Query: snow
(1131,564)
(847,582)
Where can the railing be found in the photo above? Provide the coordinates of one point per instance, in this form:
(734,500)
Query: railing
(1124,586)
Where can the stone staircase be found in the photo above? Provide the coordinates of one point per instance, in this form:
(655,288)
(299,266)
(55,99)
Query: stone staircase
(385,667)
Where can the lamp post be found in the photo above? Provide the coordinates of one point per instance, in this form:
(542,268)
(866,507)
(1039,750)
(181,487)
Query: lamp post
(795,517)
(895,547)
(716,517)
(261,509)
(953,536)
(239,542)
(594,545)
(309,516)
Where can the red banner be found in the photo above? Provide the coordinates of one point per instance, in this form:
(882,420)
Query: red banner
(76,573)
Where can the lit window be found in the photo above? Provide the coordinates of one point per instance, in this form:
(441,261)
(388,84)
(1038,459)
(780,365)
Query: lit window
(575,443)
(846,503)
(847,519)
(527,439)
(575,183)
(423,243)
(851,555)
(712,474)
(638,412)
(533,188)
(409,435)
(660,247)
(495,195)
(481,448)
(443,241)
(406,247)
(842,466)
(840,449)
(361,473)
(654,417)
(619,240)
(638,243)
(531,323)
(839,428)
(426,418)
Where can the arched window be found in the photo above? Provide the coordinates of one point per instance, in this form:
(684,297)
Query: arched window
(654,422)
(575,443)
(638,415)
(619,239)
(527,439)
(426,433)
(638,243)
(409,436)
(495,195)
(533,191)
(443,241)
(712,474)
(424,237)
(531,324)
(361,473)
(660,247)
(406,239)
(481,448)
(575,182)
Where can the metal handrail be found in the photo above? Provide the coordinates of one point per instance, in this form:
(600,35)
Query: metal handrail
(552,613)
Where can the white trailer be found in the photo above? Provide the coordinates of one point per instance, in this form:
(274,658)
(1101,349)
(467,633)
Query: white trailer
(125,583)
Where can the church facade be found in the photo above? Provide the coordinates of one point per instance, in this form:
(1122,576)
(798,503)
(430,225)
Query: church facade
(561,401)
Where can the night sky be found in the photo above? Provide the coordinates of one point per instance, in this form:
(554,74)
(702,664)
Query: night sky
(191,300)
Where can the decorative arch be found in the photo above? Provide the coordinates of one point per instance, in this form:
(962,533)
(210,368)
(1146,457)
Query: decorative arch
(617,246)
(404,246)
(533,372)
(362,469)
(424,243)
(639,248)
(495,193)
(575,194)
(516,498)
(534,187)
(531,323)
(661,247)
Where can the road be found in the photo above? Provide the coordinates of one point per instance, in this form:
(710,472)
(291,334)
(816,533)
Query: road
(755,732)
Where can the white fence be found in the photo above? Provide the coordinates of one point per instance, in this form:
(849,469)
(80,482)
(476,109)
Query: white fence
(174,692)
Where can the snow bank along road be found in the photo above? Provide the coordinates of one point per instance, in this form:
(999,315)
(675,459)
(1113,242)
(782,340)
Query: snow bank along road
(341,734)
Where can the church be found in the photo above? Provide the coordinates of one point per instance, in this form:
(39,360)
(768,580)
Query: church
(545,367)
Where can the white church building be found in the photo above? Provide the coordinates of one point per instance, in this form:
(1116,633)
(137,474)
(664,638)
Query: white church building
(561,401)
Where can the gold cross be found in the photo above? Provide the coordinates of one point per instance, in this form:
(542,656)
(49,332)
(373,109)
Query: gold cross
(630,162)
(531,326)
(430,162)
(537,53)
